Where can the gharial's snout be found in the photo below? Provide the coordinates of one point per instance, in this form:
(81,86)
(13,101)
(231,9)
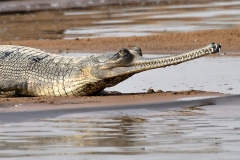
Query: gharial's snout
(216,47)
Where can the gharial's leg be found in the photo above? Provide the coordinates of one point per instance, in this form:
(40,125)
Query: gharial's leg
(7,93)
(12,87)
(105,93)
(7,88)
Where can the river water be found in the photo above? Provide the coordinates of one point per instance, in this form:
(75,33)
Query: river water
(152,135)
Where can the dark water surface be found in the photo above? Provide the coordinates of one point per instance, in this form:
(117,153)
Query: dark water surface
(183,133)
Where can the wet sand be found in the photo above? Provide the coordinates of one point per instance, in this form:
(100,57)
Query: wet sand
(20,104)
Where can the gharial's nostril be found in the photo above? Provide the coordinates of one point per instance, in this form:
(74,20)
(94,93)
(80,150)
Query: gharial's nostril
(219,47)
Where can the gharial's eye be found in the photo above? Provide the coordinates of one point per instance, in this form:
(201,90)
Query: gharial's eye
(123,52)
(116,56)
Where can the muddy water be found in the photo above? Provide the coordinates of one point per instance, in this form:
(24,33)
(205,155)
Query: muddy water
(118,20)
(214,74)
(125,135)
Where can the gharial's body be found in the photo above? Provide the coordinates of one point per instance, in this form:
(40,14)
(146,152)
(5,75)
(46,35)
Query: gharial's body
(32,72)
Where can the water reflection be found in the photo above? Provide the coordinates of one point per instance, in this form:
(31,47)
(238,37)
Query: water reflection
(169,132)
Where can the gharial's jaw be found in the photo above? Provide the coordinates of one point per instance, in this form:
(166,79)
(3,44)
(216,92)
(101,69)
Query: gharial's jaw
(137,64)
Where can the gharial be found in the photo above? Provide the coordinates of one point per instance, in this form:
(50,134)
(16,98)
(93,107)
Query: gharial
(32,72)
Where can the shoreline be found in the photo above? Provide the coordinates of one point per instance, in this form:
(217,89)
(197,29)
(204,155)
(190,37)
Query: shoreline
(33,112)
(12,104)
(168,43)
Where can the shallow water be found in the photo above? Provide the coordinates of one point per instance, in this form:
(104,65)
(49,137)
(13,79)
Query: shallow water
(142,21)
(131,136)
(214,74)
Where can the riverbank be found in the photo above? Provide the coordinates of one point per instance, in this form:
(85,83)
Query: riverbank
(171,43)
(159,44)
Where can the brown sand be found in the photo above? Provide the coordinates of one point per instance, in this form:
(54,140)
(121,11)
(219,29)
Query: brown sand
(166,43)
(157,44)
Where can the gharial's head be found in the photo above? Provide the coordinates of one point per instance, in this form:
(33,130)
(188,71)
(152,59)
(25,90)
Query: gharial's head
(128,62)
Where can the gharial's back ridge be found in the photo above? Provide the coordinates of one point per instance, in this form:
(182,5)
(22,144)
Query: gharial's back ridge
(32,72)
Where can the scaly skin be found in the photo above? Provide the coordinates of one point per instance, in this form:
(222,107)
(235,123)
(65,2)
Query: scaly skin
(32,72)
